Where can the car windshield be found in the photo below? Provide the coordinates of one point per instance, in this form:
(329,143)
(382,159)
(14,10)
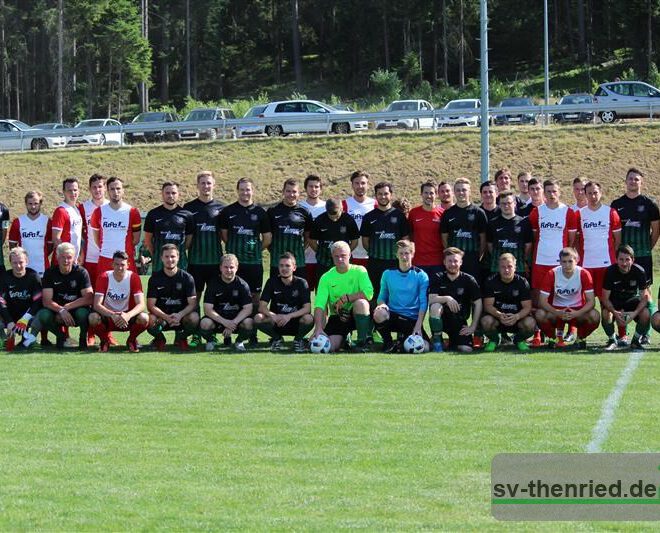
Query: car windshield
(90,124)
(201,114)
(516,102)
(402,106)
(461,105)
(20,125)
(576,100)
(150,117)
(49,126)
(254,111)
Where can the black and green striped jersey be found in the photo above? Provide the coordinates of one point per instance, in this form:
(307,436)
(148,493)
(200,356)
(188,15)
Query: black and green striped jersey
(169,226)
(509,236)
(244,225)
(384,229)
(327,231)
(463,226)
(289,225)
(206,248)
(636,215)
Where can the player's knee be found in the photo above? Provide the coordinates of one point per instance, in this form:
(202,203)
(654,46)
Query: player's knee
(191,320)
(336,342)
(207,324)
(260,318)
(435,310)
(153,320)
(541,315)
(527,324)
(307,319)
(381,315)
(593,316)
(655,321)
(464,348)
(489,323)
(644,316)
(248,323)
(361,307)
(94,319)
(142,319)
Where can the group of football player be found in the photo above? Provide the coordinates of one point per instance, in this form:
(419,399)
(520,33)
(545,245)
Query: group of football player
(520,268)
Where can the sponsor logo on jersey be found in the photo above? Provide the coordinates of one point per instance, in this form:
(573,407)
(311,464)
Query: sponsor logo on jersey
(173,301)
(241,230)
(550,225)
(285,308)
(32,234)
(590,225)
(205,227)
(565,292)
(19,295)
(506,243)
(509,307)
(384,235)
(229,307)
(460,234)
(633,224)
(116,296)
(109,224)
(288,230)
(171,235)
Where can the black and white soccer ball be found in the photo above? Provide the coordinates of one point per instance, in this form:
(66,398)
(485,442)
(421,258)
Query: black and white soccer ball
(320,344)
(413,344)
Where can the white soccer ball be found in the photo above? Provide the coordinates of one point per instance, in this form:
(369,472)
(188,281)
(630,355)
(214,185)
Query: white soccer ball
(413,344)
(320,344)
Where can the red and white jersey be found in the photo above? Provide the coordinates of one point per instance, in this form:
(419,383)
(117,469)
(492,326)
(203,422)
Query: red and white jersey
(552,227)
(116,227)
(68,220)
(91,251)
(357,210)
(597,230)
(567,292)
(35,235)
(119,295)
(315,211)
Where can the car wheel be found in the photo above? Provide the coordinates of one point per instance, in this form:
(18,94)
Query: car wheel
(415,125)
(102,140)
(39,144)
(274,131)
(213,134)
(341,128)
(607,117)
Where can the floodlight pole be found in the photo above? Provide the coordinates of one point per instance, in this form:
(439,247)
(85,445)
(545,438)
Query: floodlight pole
(485,104)
(546,59)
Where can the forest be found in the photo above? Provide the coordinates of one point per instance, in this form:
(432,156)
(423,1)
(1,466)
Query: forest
(63,60)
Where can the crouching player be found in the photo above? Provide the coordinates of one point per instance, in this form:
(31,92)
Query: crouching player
(172,301)
(402,301)
(567,297)
(67,296)
(454,296)
(118,304)
(507,306)
(290,311)
(625,298)
(20,299)
(345,290)
(227,306)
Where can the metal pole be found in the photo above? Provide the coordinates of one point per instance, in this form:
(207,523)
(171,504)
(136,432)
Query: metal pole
(188,48)
(546,58)
(485,103)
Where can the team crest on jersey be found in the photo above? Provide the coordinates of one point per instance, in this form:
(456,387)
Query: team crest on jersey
(460,291)
(234,293)
(74,284)
(517,229)
(294,293)
(393,220)
(640,208)
(342,229)
(179,286)
(471,217)
(254,217)
(633,282)
(515,293)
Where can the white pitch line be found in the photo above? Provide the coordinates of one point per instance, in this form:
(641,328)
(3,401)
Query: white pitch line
(600,433)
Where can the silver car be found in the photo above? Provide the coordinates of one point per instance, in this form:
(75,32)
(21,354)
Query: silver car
(308,116)
(627,92)
(407,123)
(29,138)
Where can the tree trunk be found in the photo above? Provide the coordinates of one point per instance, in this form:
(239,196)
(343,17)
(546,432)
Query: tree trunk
(188,62)
(295,44)
(649,36)
(386,37)
(582,31)
(60,59)
(461,47)
(5,104)
(434,36)
(421,58)
(17,92)
(109,113)
(165,60)
(445,47)
(569,27)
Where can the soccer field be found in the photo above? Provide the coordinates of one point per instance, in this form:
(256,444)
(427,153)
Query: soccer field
(258,441)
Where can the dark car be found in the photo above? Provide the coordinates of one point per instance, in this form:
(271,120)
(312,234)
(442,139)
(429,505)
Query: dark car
(517,118)
(580,117)
(152,119)
(218,114)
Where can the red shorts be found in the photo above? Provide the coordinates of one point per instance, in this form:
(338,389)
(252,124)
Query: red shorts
(105,264)
(359,261)
(311,273)
(538,273)
(598,277)
(92,270)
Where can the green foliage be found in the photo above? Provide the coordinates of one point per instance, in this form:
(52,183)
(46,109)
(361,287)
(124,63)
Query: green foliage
(410,70)
(629,74)
(385,85)
(654,76)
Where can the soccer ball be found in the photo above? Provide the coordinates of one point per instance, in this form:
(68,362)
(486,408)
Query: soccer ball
(320,344)
(413,344)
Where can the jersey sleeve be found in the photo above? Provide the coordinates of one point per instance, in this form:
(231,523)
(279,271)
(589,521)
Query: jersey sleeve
(264,224)
(654,211)
(490,233)
(267,292)
(190,288)
(488,290)
(245,294)
(322,295)
(102,284)
(222,220)
(136,284)
(4,311)
(15,231)
(190,224)
(309,220)
(85,281)
(423,290)
(49,233)
(642,280)
(482,220)
(586,280)
(571,220)
(47,280)
(364,284)
(365,229)
(151,288)
(35,291)
(475,290)
(352,231)
(525,291)
(548,283)
(209,293)
(94,220)
(135,220)
(384,294)
(305,294)
(534,219)
(527,234)
(608,279)
(59,218)
(615,221)
(405,225)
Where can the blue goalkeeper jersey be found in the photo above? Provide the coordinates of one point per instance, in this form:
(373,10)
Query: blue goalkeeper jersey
(405,293)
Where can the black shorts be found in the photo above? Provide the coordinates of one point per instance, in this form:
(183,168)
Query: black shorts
(253,276)
(431,270)
(202,274)
(301,272)
(646,262)
(335,326)
(290,328)
(626,307)
(403,326)
(217,327)
(376,267)
(452,325)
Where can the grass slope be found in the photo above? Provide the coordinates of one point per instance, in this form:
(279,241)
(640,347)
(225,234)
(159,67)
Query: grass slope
(406,159)
(256,441)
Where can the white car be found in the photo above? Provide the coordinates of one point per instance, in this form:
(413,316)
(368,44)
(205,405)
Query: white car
(467,104)
(33,139)
(627,92)
(255,111)
(407,123)
(313,118)
(97,139)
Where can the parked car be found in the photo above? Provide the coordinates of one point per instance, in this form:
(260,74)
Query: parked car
(624,92)
(151,119)
(583,117)
(407,123)
(98,139)
(210,113)
(467,104)
(343,107)
(313,118)
(50,126)
(517,118)
(33,139)
(256,129)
